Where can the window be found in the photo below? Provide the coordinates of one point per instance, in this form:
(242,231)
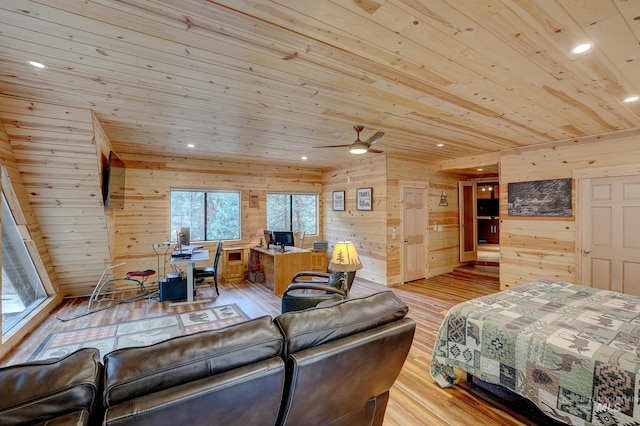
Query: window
(292,212)
(210,215)
(22,289)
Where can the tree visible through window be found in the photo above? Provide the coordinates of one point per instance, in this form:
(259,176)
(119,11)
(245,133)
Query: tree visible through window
(210,215)
(292,212)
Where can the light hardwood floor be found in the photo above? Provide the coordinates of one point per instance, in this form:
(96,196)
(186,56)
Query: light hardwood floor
(415,398)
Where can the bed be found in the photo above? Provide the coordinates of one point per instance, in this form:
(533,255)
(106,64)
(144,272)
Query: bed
(569,349)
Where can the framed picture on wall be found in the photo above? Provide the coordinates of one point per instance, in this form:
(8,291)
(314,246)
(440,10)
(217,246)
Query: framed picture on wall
(364,198)
(338,200)
(550,197)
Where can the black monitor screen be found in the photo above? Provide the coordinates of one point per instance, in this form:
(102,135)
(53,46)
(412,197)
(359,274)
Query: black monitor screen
(283,237)
(488,207)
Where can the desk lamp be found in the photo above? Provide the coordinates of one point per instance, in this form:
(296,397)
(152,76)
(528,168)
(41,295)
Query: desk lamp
(345,259)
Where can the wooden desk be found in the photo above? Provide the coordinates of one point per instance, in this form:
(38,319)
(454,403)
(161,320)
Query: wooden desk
(279,268)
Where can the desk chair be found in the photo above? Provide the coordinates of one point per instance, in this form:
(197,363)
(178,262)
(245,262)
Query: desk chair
(199,274)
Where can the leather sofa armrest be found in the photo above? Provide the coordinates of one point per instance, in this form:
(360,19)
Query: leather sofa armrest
(39,391)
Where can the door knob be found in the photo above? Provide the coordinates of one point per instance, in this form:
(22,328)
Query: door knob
(406,241)
(586,251)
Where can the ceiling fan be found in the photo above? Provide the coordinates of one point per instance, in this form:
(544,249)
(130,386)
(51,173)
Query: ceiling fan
(360,147)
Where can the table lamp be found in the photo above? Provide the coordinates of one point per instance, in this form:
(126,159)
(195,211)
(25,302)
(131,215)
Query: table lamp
(345,259)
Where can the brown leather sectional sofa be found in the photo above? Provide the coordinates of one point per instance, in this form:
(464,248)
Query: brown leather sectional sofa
(330,365)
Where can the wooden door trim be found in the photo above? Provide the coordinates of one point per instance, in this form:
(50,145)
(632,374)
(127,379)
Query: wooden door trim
(424,186)
(463,256)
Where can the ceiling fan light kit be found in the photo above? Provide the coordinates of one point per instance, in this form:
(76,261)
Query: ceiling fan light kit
(358,148)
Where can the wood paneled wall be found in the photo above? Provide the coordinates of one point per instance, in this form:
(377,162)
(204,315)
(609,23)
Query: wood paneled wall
(56,156)
(103,148)
(145,219)
(366,229)
(442,253)
(371,231)
(542,247)
(18,200)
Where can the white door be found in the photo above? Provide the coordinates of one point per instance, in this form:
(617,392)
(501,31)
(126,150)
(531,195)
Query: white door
(468,221)
(611,233)
(413,232)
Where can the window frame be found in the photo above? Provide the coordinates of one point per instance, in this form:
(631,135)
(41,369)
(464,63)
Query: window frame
(291,194)
(173,236)
(33,273)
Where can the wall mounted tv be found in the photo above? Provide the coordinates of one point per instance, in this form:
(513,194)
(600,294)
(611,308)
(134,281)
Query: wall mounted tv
(113,182)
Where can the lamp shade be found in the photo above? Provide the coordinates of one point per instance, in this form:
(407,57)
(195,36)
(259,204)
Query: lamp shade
(345,258)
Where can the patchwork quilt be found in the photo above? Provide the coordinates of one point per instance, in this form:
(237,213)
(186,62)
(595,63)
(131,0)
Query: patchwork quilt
(570,349)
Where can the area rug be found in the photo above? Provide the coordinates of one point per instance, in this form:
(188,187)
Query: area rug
(138,333)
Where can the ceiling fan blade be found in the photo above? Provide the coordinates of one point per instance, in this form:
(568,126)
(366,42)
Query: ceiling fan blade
(331,146)
(375,151)
(373,139)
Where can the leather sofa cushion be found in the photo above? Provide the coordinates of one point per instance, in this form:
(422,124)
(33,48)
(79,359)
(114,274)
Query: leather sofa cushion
(312,327)
(248,395)
(38,391)
(133,372)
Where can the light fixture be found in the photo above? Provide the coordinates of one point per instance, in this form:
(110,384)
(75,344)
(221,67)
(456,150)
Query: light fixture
(191,145)
(443,199)
(440,145)
(631,99)
(581,48)
(304,157)
(358,148)
(345,259)
(37,64)
(480,169)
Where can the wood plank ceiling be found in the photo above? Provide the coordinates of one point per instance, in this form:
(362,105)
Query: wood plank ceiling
(267,80)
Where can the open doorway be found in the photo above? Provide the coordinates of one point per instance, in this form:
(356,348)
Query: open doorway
(488,222)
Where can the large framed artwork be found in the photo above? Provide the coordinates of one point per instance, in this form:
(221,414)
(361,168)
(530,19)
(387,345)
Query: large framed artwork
(364,198)
(540,198)
(338,200)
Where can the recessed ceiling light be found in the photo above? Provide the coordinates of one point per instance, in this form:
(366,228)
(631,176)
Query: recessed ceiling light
(191,145)
(440,145)
(480,169)
(581,48)
(38,65)
(304,157)
(632,99)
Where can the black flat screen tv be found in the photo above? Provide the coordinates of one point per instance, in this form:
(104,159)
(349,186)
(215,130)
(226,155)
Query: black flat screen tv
(113,182)
(489,207)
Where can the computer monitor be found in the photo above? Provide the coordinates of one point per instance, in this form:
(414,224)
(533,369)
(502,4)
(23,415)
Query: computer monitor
(283,237)
(185,236)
